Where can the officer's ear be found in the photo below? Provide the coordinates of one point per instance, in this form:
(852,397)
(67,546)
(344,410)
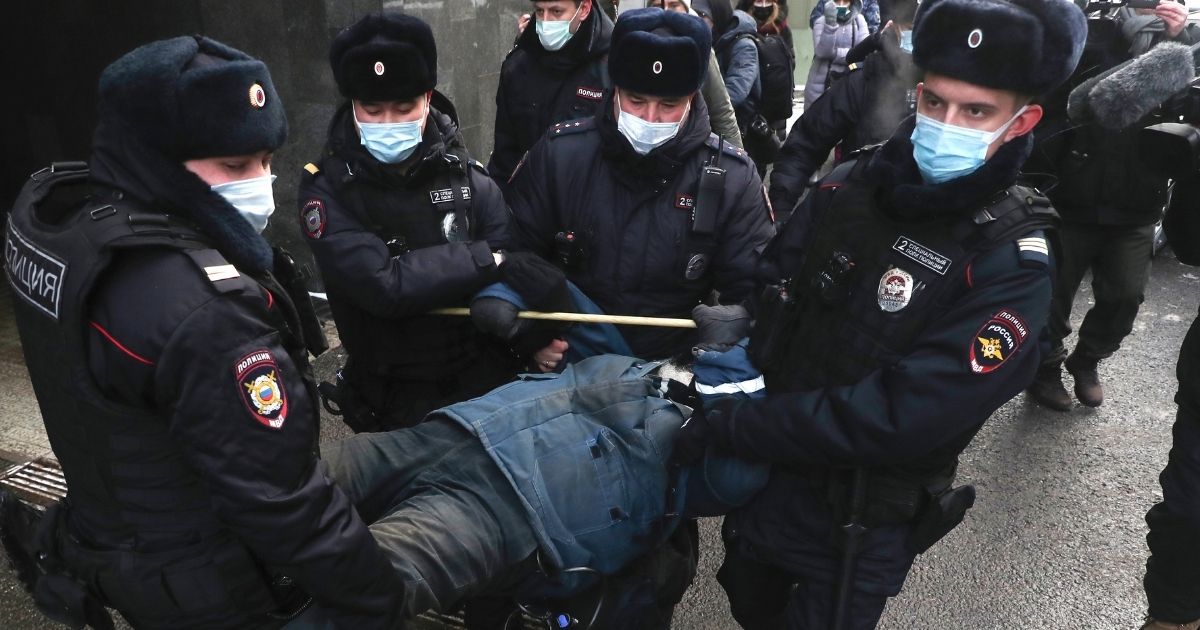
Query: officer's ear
(1025,122)
(585,9)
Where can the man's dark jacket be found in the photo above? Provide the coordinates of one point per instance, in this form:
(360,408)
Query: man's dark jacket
(379,297)
(632,216)
(539,88)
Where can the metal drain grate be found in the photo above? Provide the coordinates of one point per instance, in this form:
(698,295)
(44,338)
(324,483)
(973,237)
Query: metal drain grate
(39,482)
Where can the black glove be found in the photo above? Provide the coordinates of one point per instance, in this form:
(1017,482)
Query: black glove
(721,325)
(537,281)
(706,427)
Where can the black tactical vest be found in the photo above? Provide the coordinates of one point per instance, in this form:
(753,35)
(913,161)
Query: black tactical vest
(129,486)
(869,284)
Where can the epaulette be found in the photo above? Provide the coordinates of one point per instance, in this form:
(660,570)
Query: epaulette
(728,149)
(569,127)
(312,169)
(1033,251)
(854,66)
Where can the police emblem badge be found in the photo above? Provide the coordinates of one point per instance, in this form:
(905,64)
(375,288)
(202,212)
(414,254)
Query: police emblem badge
(261,388)
(312,217)
(997,341)
(895,289)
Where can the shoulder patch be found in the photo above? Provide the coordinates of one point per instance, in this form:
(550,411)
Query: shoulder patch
(1033,251)
(313,218)
(35,274)
(312,169)
(571,127)
(261,388)
(1000,337)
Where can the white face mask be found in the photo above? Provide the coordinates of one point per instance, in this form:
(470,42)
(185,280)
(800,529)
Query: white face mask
(252,198)
(647,136)
(392,143)
(555,34)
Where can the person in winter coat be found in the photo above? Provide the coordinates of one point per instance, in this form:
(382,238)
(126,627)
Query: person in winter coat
(738,58)
(893,323)
(610,198)
(840,27)
(860,109)
(171,367)
(401,220)
(555,73)
(771,17)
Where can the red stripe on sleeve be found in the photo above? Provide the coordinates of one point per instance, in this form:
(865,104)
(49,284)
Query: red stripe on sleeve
(133,355)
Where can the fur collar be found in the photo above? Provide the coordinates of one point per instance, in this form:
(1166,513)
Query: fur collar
(120,161)
(907,196)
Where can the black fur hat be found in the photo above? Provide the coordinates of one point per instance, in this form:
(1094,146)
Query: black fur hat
(1027,46)
(193,97)
(387,56)
(659,53)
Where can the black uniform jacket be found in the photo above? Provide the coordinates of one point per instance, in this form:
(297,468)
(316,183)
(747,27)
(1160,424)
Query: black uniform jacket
(213,365)
(632,217)
(862,108)
(379,296)
(539,88)
(930,400)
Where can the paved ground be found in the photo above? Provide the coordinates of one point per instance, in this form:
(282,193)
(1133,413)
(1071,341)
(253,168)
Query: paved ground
(1056,538)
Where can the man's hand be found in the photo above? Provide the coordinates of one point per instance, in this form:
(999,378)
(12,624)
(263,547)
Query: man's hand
(523,22)
(542,285)
(1174,15)
(722,325)
(548,358)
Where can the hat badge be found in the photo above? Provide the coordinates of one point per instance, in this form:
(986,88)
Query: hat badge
(975,38)
(258,96)
(656,68)
(379,68)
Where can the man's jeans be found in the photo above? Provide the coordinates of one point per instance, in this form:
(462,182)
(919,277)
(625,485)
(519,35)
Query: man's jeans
(440,509)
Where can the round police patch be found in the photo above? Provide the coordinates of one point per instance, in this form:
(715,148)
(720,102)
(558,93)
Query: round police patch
(997,341)
(379,69)
(260,385)
(312,217)
(975,38)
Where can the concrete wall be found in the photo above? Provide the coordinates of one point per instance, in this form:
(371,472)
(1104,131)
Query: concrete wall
(54,50)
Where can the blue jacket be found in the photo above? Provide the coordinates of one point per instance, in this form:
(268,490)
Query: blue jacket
(586,451)
(738,57)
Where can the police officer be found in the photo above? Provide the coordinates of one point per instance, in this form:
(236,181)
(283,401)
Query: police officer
(909,293)
(555,73)
(401,220)
(646,209)
(1172,579)
(170,365)
(864,107)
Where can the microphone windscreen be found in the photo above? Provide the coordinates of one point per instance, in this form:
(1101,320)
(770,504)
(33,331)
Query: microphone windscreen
(1079,110)
(1124,97)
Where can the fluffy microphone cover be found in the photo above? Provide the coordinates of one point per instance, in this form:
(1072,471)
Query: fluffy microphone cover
(1122,98)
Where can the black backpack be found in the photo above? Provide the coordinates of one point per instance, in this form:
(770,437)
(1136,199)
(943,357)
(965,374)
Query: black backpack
(776,71)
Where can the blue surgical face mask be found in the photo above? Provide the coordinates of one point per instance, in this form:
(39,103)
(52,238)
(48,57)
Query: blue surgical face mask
(554,35)
(252,198)
(392,143)
(906,41)
(647,136)
(944,152)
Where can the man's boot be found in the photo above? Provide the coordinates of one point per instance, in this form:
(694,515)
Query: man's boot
(1152,624)
(1048,388)
(1087,380)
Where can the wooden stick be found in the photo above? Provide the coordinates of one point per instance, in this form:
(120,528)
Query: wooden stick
(587,318)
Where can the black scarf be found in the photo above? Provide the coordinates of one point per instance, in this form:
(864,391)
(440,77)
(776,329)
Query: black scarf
(906,195)
(122,162)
